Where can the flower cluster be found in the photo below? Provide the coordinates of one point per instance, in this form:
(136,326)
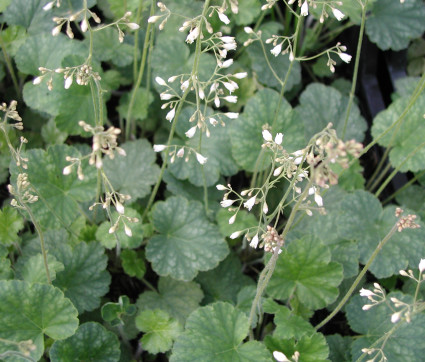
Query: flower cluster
(22,193)
(376,296)
(405,222)
(280,357)
(179,151)
(11,113)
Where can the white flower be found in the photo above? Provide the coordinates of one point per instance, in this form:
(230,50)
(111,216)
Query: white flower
(231,46)
(232,115)
(184,85)
(127,231)
(254,242)
(248,30)
(265,208)
(367,306)
(366,293)
(338,14)
(235,235)
(193,35)
(318,199)
(159,148)
(304,8)
(227,39)
(160,81)
(250,203)
(232,219)
(191,132)
(68,82)
(345,57)
(213,122)
(201,159)
(267,136)
(217,101)
(180,152)
(119,207)
(84,25)
(227,203)
(280,357)
(56,30)
(170,115)
(291,57)
(231,99)
(37,80)
(231,87)
(165,96)
(422,265)
(276,50)
(240,75)
(154,19)
(133,26)
(221,187)
(67,170)
(279,138)
(48,6)
(226,64)
(201,93)
(223,18)
(278,171)
(395,317)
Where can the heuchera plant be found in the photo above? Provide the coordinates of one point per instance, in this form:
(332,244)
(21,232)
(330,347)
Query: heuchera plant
(204,181)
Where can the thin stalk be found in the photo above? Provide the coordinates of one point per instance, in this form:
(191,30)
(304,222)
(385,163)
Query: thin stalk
(405,186)
(390,177)
(128,124)
(378,180)
(177,115)
(356,68)
(136,42)
(379,167)
(10,67)
(359,277)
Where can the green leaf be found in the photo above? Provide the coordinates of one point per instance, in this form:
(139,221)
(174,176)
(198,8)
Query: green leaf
(91,342)
(13,37)
(320,104)
(59,194)
(406,138)
(32,269)
(85,279)
(244,220)
(244,301)
(403,341)
(305,270)
(225,281)
(339,347)
(248,12)
(44,50)
(10,225)
(215,333)
(177,298)
(246,131)
(140,108)
(135,173)
(110,241)
(160,330)
(106,47)
(187,241)
(280,64)
(413,197)
(28,311)
(311,348)
(392,24)
(51,134)
(133,263)
(361,218)
(290,325)
(115,312)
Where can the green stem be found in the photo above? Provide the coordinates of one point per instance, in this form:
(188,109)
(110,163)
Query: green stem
(359,277)
(136,42)
(390,177)
(128,125)
(378,180)
(405,186)
(356,69)
(10,66)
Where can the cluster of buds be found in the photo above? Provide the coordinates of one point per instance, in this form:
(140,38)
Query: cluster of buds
(179,151)
(26,347)
(376,296)
(339,50)
(74,161)
(51,4)
(405,222)
(61,21)
(271,240)
(11,113)
(22,194)
(104,143)
(379,356)
(278,43)
(304,5)
(255,35)
(405,312)
(164,17)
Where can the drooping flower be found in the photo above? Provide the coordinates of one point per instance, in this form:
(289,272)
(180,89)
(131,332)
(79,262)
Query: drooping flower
(250,203)
(304,8)
(276,50)
(345,57)
(338,14)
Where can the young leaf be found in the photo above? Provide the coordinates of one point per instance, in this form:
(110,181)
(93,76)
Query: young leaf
(10,225)
(32,269)
(160,330)
(290,325)
(306,271)
(246,131)
(215,333)
(135,173)
(133,263)
(84,279)
(28,311)
(187,242)
(320,104)
(392,24)
(177,298)
(91,342)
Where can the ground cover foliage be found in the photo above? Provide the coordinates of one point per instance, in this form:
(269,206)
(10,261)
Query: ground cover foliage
(202,181)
